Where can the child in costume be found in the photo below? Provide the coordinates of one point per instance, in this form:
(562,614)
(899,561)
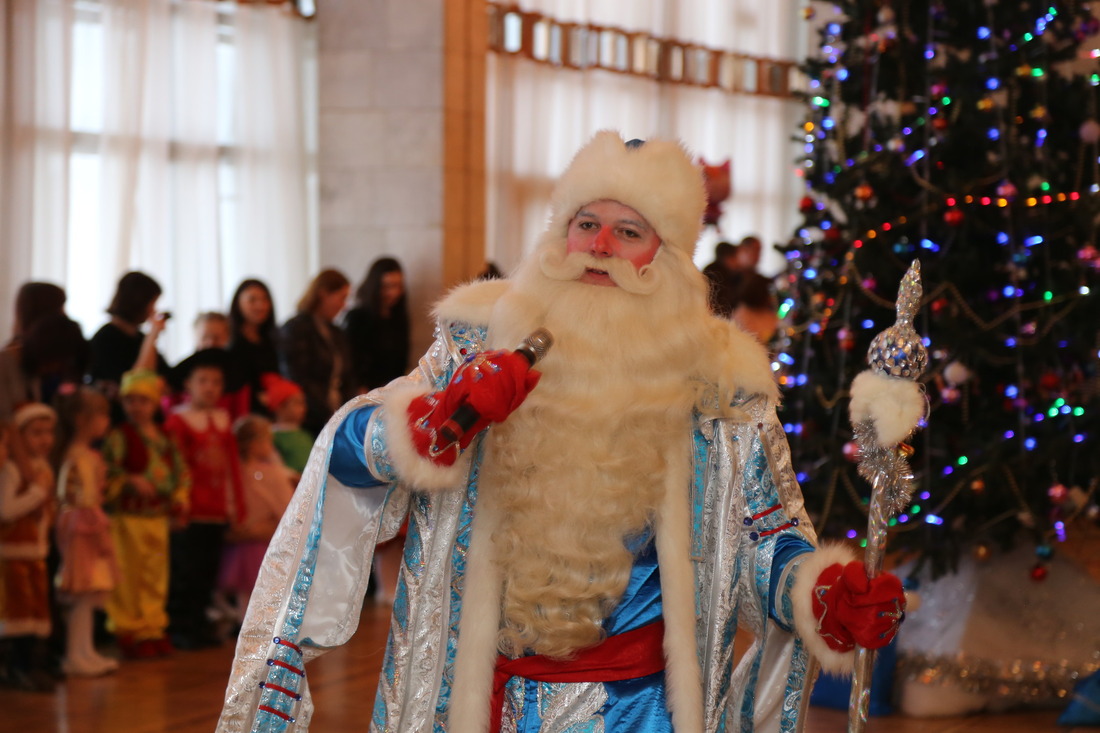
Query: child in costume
(267,490)
(88,571)
(26,514)
(287,402)
(204,433)
(148,484)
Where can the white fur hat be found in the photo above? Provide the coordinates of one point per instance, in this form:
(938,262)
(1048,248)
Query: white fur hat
(656,178)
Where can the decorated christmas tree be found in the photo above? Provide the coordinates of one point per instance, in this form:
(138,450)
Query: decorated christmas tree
(964,135)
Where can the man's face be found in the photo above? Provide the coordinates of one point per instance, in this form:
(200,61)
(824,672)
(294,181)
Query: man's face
(607,229)
(748,253)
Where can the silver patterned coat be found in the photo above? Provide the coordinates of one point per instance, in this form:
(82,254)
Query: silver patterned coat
(314,577)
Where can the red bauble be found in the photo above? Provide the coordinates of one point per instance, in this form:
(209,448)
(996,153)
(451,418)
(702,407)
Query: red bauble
(1039,573)
(832,234)
(939,123)
(1050,381)
(953,217)
(806,204)
(1057,493)
(846,339)
(864,192)
(851,451)
(1007,190)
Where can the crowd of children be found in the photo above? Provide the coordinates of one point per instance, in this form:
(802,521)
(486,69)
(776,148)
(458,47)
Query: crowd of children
(161,521)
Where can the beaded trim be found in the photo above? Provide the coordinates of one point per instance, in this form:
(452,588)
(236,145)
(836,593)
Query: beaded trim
(1020,679)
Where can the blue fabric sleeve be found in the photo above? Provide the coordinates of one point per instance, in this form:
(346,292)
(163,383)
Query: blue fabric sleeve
(348,463)
(788,546)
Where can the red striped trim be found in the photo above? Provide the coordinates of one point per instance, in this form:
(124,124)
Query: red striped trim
(780,528)
(284,642)
(767,511)
(273,711)
(277,688)
(284,665)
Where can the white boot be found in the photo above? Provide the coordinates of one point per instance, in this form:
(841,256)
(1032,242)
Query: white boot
(77,663)
(104,664)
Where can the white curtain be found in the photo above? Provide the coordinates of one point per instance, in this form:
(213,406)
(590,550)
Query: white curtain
(538,116)
(168,136)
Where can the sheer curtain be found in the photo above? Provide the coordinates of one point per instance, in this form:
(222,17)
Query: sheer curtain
(539,115)
(170,136)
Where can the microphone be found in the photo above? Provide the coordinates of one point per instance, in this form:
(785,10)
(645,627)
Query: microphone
(532,348)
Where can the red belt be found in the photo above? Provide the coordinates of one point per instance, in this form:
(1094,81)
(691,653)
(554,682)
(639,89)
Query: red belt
(625,656)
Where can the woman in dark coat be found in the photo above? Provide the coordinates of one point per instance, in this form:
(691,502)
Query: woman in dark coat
(120,345)
(378,326)
(253,337)
(313,350)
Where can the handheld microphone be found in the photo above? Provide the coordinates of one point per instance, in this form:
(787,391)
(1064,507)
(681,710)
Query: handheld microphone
(532,348)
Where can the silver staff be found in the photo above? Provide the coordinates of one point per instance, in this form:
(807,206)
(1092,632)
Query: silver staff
(897,353)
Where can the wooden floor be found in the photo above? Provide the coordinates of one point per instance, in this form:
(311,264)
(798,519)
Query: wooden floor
(183,694)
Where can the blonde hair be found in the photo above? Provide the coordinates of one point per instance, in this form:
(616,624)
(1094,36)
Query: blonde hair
(250,429)
(211,317)
(326,282)
(70,405)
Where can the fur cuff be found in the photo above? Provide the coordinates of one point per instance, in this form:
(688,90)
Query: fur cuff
(470,303)
(412,468)
(805,623)
(894,405)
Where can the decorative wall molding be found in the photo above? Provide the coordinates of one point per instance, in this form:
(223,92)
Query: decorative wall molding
(306,9)
(581,46)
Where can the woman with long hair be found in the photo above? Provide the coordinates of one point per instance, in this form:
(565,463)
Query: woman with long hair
(378,326)
(313,349)
(33,301)
(253,337)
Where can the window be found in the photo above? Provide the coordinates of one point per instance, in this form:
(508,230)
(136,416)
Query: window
(179,140)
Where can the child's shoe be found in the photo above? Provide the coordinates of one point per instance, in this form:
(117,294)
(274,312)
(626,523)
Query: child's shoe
(164,646)
(80,667)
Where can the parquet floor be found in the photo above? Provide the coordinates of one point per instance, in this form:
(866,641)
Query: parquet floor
(183,694)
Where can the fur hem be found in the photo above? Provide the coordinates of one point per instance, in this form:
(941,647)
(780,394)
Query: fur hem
(894,405)
(810,567)
(415,470)
(683,676)
(471,303)
(479,621)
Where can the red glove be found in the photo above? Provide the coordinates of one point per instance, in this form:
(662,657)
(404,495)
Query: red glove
(493,383)
(852,609)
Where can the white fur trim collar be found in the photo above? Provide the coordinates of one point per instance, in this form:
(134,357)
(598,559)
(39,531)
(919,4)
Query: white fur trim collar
(749,363)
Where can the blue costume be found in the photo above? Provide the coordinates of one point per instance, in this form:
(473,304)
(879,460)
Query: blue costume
(741,470)
(727,544)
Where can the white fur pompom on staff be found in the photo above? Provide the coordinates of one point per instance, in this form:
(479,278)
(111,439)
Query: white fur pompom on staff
(886,408)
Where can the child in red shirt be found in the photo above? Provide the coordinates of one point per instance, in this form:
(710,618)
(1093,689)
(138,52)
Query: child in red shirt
(203,431)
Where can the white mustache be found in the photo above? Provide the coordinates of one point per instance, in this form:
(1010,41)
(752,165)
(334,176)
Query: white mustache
(559,265)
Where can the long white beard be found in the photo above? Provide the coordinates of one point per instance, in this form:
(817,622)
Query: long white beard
(581,465)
